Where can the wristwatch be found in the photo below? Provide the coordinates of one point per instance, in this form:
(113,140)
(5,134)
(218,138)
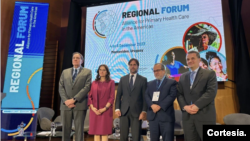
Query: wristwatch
(106,108)
(183,109)
(75,99)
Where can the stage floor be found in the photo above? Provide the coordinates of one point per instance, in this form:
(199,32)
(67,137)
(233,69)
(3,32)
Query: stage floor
(86,138)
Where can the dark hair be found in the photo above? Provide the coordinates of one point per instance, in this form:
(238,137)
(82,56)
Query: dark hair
(204,61)
(169,57)
(162,66)
(210,55)
(79,54)
(133,59)
(200,46)
(107,77)
(197,53)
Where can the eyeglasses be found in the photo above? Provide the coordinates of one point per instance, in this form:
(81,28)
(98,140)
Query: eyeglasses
(76,58)
(157,70)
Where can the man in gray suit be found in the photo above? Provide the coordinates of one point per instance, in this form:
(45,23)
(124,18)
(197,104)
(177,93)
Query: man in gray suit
(196,92)
(130,102)
(74,86)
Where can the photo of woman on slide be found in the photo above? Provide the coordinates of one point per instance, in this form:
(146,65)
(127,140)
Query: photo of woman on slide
(206,38)
(215,64)
(203,63)
(174,60)
(202,36)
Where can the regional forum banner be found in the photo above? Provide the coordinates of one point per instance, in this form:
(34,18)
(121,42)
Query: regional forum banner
(155,31)
(23,76)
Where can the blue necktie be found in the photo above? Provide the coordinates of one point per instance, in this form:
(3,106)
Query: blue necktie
(192,81)
(131,82)
(158,84)
(192,78)
(74,76)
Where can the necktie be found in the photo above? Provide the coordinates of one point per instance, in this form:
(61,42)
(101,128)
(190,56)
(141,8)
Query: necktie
(131,82)
(158,84)
(192,77)
(74,76)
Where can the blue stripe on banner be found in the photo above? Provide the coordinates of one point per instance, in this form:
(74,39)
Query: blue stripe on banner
(9,131)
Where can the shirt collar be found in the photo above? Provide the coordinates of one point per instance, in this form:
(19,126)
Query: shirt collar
(133,74)
(77,68)
(162,78)
(196,70)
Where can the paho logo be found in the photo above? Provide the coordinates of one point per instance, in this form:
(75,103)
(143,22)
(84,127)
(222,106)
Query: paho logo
(104,23)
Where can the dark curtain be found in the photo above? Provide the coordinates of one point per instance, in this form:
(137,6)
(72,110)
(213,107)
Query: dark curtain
(73,40)
(241,57)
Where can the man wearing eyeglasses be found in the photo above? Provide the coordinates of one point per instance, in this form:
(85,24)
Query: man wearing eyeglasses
(74,86)
(160,95)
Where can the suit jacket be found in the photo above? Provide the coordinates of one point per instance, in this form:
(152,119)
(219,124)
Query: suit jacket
(78,90)
(202,94)
(168,93)
(133,99)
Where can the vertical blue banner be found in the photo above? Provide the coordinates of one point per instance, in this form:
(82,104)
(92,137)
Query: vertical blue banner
(23,76)
(25,58)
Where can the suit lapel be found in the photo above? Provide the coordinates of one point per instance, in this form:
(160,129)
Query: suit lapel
(71,75)
(187,77)
(137,79)
(197,78)
(127,82)
(154,83)
(162,84)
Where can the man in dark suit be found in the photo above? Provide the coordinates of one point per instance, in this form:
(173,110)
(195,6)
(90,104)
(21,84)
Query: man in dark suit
(196,92)
(160,95)
(130,103)
(74,86)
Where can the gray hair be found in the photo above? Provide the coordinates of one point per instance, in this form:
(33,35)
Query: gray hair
(79,54)
(162,66)
(197,53)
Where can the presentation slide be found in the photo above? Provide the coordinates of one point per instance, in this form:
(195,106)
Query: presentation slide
(155,31)
(23,75)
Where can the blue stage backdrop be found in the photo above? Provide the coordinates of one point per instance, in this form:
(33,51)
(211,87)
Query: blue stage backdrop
(23,76)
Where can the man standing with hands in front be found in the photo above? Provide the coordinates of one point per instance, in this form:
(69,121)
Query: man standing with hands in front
(130,103)
(74,86)
(160,96)
(196,92)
